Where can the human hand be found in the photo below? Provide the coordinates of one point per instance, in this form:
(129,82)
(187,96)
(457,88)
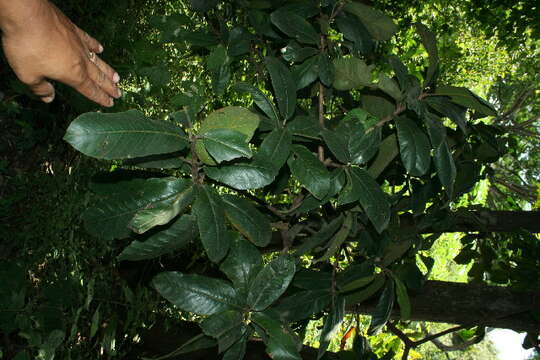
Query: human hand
(41,43)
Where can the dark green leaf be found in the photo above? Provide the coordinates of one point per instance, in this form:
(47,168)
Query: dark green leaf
(446,168)
(389,86)
(226,327)
(295,26)
(338,239)
(197,294)
(351,73)
(322,236)
(465,97)
(157,75)
(280,343)
(296,53)
(110,217)
(276,147)
(209,209)
(306,73)
(123,135)
(447,108)
(270,283)
(331,325)
(307,126)
(414,147)
(327,71)
(160,161)
(237,351)
(226,144)
(388,150)
(303,304)
(248,220)
(203,5)
(355,276)
(244,176)
(380,26)
(402,299)
(373,200)
(314,280)
(309,171)
(173,237)
(383,310)
(239,42)
(162,213)
(362,295)
(353,30)
(378,106)
(242,264)
(260,99)
(284,86)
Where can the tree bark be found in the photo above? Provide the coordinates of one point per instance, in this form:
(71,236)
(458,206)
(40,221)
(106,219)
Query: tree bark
(470,304)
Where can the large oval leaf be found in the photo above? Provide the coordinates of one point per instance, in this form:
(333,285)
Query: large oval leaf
(197,294)
(446,168)
(303,304)
(248,220)
(280,343)
(383,310)
(227,327)
(351,73)
(276,148)
(309,171)
(467,98)
(270,283)
(208,208)
(109,218)
(242,264)
(243,176)
(380,26)
(123,135)
(173,237)
(414,147)
(284,86)
(260,99)
(226,144)
(295,26)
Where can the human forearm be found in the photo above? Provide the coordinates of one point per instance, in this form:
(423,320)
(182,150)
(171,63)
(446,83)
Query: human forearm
(16,14)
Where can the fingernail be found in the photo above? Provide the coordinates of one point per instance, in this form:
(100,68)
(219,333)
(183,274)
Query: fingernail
(100,49)
(119,94)
(116,78)
(111,103)
(48,99)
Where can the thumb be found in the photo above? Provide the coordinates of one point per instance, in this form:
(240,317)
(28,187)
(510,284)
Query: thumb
(44,90)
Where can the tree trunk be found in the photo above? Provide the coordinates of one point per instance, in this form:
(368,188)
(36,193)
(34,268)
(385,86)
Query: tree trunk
(470,304)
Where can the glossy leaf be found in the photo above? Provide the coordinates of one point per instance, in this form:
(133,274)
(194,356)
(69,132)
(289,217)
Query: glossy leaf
(173,237)
(247,220)
(123,135)
(295,26)
(383,310)
(226,327)
(306,73)
(351,73)
(388,150)
(414,147)
(270,283)
(309,171)
(373,200)
(197,294)
(162,213)
(242,264)
(260,99)
(362,295)
(327,72)
(314,280)
(303,304)
(454,112)
(306,126)
(354,30)
(280,343)
(380,26)
(331,325)
(446,168)
(209,210)
(237,351)
(465,97)
(226,144)
(430,43)
(297,53)
(276,148)
(389,86)
(232,118)
(110,217)
(244,176)
(284,86)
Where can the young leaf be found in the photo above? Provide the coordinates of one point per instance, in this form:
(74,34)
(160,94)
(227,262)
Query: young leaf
(248,220)
(226,327)
(309,171)
(280,343)
(226,144)
(414,147)
(380,26)
(260,99)
(351,73)
(109,218)
(402,298)
(123,135)
(162,213)
(373,200)
(270,283)
(242,264)
(208,208)
(197,294)
(295,26)
(284,86)
(175,236)
(383,310)
(331,325)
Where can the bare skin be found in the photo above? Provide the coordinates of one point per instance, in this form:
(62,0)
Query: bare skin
(41,43)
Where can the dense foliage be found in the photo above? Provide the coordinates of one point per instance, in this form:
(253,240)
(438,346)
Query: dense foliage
(301,164)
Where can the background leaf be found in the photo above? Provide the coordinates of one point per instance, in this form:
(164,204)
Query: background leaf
(380,26)
(351,73)
(295,26)
(331,325)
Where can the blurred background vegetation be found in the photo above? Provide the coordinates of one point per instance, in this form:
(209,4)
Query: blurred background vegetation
(75,301)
